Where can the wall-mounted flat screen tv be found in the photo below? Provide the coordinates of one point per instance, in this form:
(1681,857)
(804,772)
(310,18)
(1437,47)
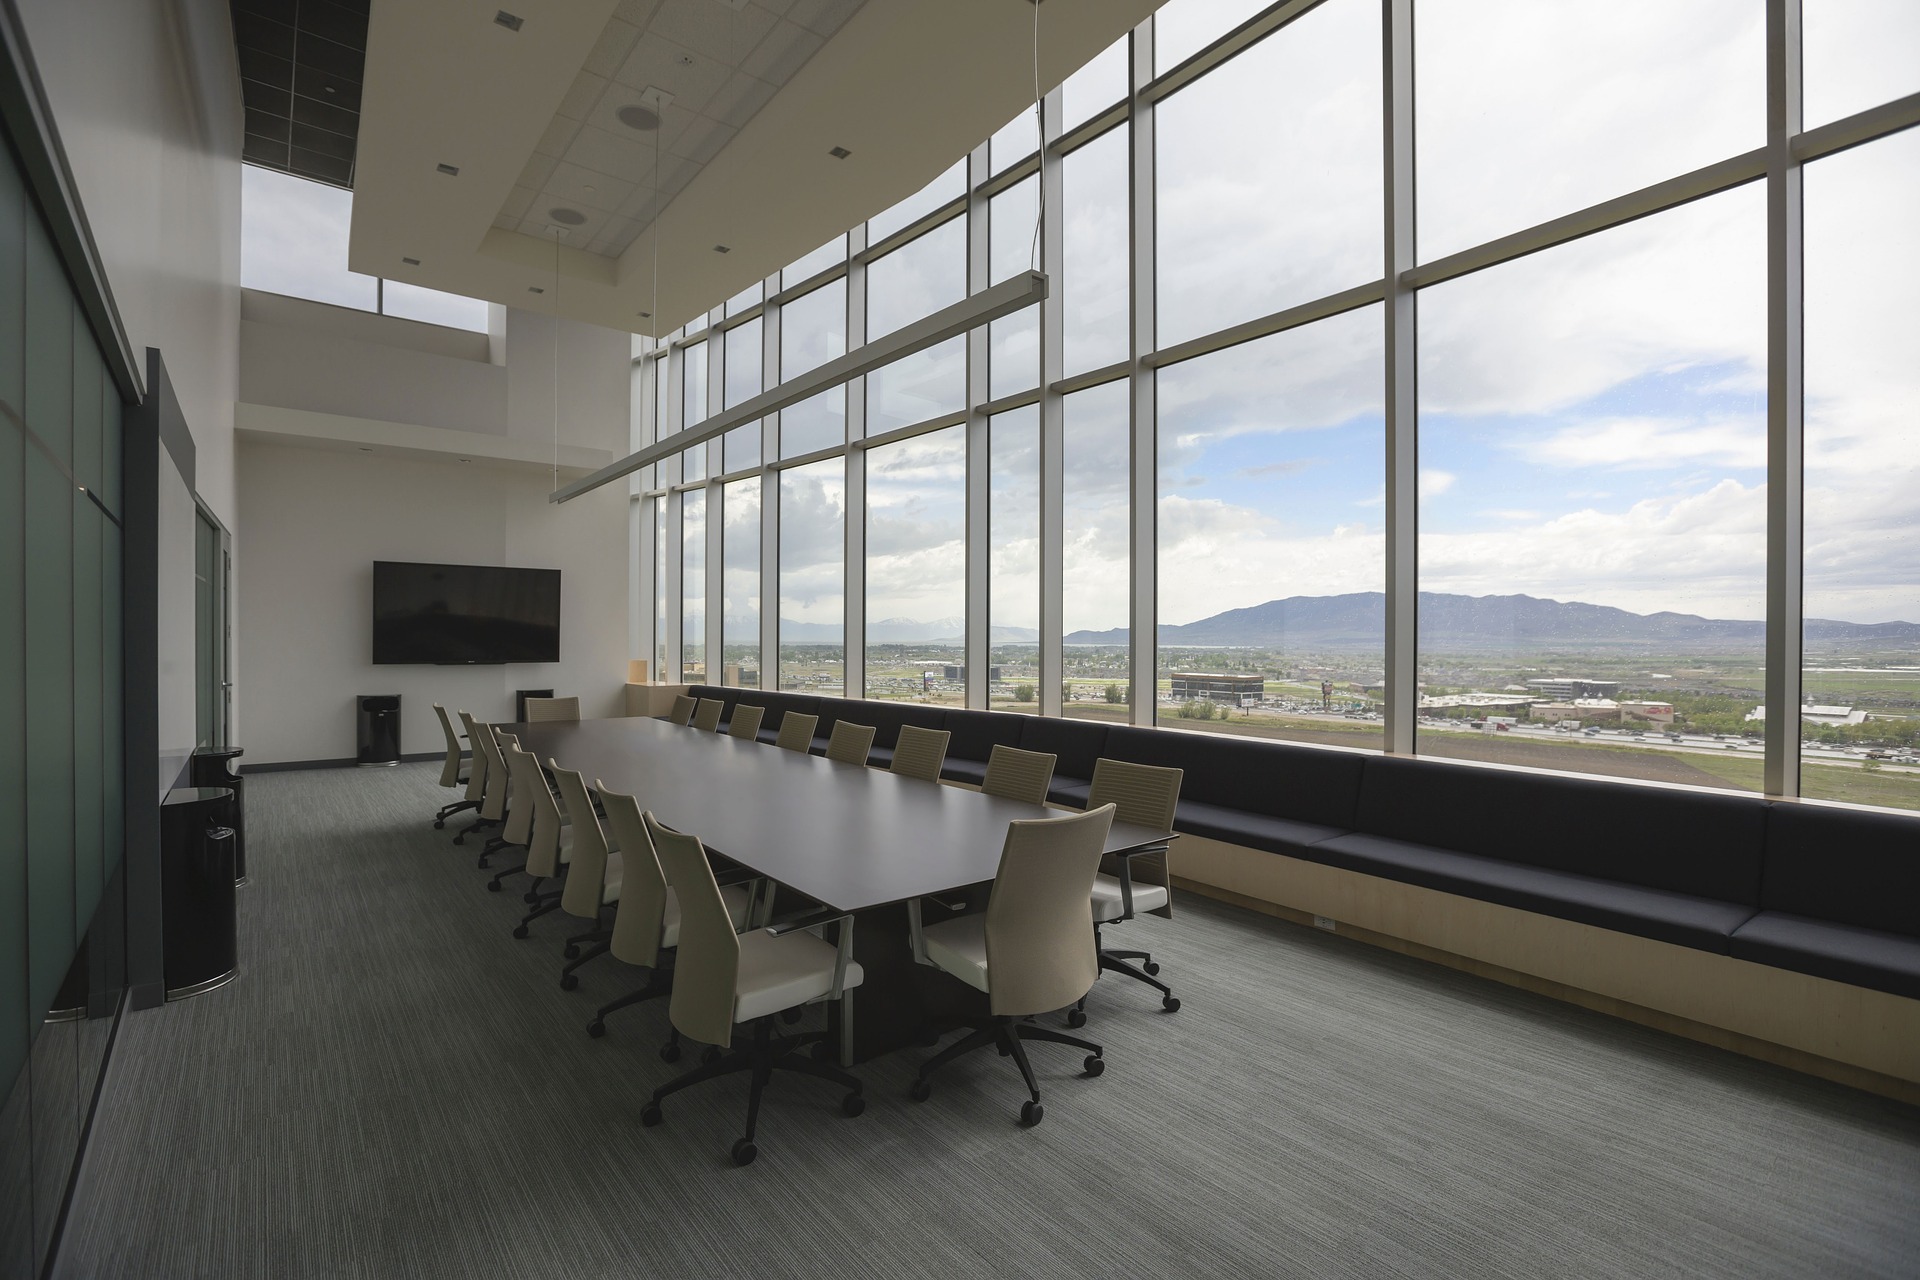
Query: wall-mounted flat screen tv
(464,614)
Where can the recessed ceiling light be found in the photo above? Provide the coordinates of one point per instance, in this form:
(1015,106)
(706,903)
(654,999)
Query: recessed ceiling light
(567,217)
(466,459)
(721,248)
(366,449)
(638,117)
(839,153)
(534,288)
(685,60)
(451,170)
(412,262)
(511,21)
(327,88)
(645,315)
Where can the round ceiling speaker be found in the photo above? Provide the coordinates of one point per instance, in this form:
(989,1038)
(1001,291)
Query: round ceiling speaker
(567,217)
(645,119)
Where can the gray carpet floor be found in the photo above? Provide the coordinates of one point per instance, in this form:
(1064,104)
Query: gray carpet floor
(396,1088)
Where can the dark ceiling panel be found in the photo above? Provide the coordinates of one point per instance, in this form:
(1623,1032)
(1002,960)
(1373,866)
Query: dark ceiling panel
(301,64)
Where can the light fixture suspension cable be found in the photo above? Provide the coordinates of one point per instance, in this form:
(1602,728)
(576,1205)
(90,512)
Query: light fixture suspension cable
(557,233)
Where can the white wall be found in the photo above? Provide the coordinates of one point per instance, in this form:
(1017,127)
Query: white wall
(314,521)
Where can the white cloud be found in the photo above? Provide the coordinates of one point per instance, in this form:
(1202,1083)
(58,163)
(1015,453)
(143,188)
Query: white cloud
(1651,443)
(1433,483)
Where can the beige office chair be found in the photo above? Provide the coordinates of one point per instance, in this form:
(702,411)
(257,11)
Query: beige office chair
(499,792)
(593,874)
(543,709)
(550,839)
(722,978)
(746,722)
(920,752)
(1147,796)
(476,774)
(683,705)
(1033,949)
(706,716)
(647,919)
(1014,774)
(851,743)
(450,771)
(796,732)
(516,826)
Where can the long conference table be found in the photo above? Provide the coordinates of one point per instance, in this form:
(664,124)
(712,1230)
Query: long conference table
(859,840)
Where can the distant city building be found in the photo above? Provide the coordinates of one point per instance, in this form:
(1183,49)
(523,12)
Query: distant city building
(1647,712)
(1583,710)
(1816,714)
(1505,704)
(959,672)
(736,676)
(1567,688)
(1197,686)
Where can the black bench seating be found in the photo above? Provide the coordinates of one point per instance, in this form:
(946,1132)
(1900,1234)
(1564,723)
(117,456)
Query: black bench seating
(1825,891)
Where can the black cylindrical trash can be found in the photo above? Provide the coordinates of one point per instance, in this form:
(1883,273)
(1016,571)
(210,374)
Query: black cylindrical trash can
(379,729)
(217,769)
(198,932)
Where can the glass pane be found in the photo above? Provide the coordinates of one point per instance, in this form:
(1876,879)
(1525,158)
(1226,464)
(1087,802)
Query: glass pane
(917,569)
(1272,549)
(49,721)
(1593,500)
(1013,362)
(1857,54)
(919,388)
(1094,271)
(1098,580)
(86,406)
(660,623)
(917,279)
(1013,536)
(1528,110)
(49,346)
(90,529)
(813,513)
(1015,140)
(693,406)
(745,298)
(743,383)
(411,302)
(13,762)
(740,549)
(293,240)
(1096,86)
(950,185)
(1181,28)
(1244,231)
(813,330)
(834,250)
(693,585)
(1861,737)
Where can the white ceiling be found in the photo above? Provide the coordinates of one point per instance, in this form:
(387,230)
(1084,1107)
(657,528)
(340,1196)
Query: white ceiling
(758,93)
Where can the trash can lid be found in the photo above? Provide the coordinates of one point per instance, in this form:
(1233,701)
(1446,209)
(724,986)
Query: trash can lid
(225,753)
(197,795)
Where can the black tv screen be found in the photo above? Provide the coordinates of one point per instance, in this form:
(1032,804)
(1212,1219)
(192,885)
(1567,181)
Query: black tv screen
(454,614)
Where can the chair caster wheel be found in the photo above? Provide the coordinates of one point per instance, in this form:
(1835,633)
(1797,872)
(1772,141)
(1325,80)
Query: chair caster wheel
(921,1090)
(1171,1004)
(669,1052)
(570,951)
(530,898)
(439,824)
(853,1104)
(650,1115)
(596,1028)
(461,839)
(709,1055)
(568,982)
(519,931)
(1076,1017)
(493,886)
(1151,969)
(1094,1065)
(790,1016)
(744,1152)
(1031,1113)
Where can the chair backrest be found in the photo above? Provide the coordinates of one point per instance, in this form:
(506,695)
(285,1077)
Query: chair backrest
(706,716)
(531,794)
(493,803)
(1018,775)
(706,970)
(919,753)
(450,771)
(639,918)
(519,826)
(796,732)
(587,867)
(851,743)
(476,762)
(539,709)
(1147,795)
(746,721)
(1040,946)
(683,705)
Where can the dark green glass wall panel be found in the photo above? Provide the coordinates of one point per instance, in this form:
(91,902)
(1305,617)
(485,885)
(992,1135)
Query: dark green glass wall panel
(86,405)
(13,765)
(112,684)
(110,423)
(49,727)
(49,322)
(89,747)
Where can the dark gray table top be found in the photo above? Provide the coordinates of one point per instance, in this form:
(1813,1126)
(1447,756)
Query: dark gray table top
(851,836)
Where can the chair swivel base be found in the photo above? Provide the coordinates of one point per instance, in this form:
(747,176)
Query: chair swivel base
(447,811)
(659,983)
(1009,1037)
(1120,962)
(766,1054)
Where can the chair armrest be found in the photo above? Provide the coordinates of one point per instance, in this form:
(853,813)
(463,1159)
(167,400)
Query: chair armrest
(807,920)
(1126,875)
(843,952)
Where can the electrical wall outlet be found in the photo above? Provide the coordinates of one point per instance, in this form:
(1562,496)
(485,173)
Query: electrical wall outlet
(1323,922)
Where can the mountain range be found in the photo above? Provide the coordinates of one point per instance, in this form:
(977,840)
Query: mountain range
(1455,622)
